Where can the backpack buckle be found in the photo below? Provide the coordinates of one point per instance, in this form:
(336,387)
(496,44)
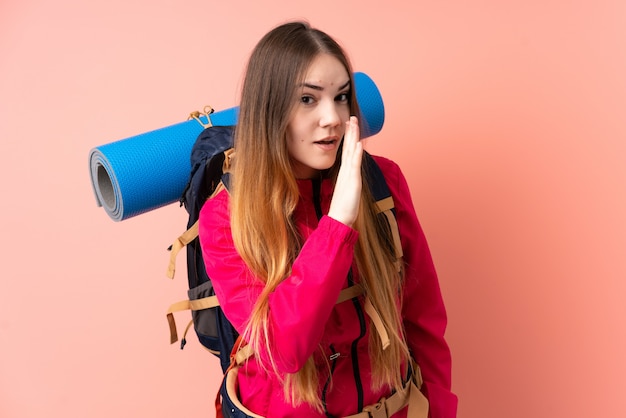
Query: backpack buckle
(378,410)
(228,157)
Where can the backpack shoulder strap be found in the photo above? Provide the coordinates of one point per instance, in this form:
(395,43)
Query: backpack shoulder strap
(384,200)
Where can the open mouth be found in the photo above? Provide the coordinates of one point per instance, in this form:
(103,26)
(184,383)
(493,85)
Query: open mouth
(326,142)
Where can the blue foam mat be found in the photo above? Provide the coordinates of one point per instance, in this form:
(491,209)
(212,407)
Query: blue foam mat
(147,171)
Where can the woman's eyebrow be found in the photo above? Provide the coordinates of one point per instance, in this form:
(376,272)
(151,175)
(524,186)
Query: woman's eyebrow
(320,88)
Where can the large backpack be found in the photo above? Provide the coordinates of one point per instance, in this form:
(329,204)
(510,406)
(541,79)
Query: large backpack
(210,162)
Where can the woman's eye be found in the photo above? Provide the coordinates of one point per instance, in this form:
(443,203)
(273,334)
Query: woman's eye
(306,99)
(343,97)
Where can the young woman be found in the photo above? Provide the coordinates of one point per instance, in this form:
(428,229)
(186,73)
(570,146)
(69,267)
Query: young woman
(297,226)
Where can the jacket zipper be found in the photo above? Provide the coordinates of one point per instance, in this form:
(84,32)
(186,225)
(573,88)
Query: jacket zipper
(354,348)
(317,187)
(317,204)
(333,358)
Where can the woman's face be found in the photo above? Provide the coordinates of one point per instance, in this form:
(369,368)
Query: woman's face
(317,123)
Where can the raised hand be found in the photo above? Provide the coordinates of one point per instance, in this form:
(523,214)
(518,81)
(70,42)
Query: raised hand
(344,206)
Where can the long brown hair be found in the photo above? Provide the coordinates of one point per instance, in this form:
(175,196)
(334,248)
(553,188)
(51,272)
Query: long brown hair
(264,195)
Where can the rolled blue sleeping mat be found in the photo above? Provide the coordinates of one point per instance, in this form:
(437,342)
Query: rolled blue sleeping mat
(147,171)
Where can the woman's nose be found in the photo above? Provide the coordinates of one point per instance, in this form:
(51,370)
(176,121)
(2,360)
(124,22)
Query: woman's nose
(329,115)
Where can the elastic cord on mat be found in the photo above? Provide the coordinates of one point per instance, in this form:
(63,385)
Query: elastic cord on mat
(206,112)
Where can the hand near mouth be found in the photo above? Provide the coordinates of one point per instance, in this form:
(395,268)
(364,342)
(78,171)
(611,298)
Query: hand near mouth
(344,206)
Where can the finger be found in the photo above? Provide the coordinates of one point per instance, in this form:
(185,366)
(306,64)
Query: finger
(351,138)
(353,129)
(357,146)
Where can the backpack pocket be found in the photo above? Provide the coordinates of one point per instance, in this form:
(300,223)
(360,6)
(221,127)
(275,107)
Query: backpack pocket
(205,319)
(213,329)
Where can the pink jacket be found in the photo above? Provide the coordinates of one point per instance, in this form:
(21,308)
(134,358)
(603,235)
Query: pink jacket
(304,319)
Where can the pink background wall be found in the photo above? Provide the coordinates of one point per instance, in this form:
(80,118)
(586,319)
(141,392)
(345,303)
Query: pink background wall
(507,117)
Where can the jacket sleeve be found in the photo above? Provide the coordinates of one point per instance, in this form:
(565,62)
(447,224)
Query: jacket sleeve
(299,304)
(423,311)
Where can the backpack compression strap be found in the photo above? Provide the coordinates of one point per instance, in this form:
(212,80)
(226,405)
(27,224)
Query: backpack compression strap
(183,240)
(191,233)
(212,302)
(180,243)
(186,305)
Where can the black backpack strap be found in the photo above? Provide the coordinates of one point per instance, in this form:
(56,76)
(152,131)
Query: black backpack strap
(384,200)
